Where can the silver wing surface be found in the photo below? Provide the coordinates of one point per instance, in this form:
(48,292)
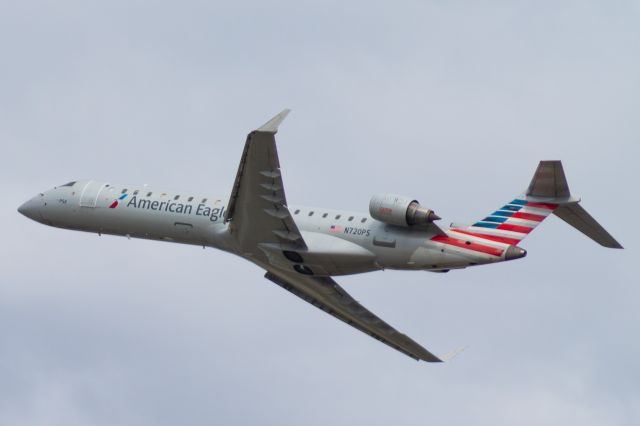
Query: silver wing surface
(257,208)
(260,221)
(324,293)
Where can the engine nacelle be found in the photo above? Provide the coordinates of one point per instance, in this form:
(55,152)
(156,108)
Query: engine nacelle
(400,210)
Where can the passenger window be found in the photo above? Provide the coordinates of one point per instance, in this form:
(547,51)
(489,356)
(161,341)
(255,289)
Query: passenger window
(204,200)
(350,218)
(310,213)
(190,199)
(364,219)
(325,215)
(337,217)
(124,191)
(176,197)
(297,211)
(135,192)
(149,194)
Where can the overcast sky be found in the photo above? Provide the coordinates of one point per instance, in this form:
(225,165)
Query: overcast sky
(450,102)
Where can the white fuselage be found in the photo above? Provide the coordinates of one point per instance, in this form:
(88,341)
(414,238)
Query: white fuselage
(339,242)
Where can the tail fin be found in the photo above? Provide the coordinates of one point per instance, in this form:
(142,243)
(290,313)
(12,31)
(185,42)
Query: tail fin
(548,193)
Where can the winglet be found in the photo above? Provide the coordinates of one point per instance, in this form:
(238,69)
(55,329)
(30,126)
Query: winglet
(451,355)
(272,125)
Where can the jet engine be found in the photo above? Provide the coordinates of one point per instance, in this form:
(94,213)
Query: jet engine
(399,210)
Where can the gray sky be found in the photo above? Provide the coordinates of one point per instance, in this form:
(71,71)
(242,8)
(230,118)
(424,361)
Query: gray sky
(452,103)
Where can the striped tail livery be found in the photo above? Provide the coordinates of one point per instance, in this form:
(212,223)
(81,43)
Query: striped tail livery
(504,228)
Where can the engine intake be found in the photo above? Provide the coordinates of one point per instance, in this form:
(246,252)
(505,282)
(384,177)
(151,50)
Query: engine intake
(400,210)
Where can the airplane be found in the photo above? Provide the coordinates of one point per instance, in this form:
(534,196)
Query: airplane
(302,248)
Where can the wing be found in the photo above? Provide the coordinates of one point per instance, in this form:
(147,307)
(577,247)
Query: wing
(259,220)
(324,293)
(257,208)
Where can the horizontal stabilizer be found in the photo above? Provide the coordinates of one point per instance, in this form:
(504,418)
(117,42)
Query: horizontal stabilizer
(549,187)
(578,217)
(549,181)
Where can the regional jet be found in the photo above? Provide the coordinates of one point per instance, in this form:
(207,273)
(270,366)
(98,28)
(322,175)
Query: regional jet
(303,248)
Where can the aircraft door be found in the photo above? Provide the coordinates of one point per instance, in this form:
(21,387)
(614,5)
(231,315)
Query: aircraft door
(90,192)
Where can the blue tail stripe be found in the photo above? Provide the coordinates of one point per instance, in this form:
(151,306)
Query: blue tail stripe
(486,225)
(501,213)
(520,202)
(511,208)
(495,219)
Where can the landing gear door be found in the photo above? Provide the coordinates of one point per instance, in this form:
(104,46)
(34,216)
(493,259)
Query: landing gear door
(90,192)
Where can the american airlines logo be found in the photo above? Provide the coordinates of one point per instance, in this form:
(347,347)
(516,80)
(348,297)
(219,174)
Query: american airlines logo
(117,200)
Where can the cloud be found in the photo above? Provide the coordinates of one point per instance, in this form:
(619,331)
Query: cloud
(452,103)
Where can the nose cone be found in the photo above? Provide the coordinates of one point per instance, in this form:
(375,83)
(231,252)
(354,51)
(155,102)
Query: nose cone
(31,209)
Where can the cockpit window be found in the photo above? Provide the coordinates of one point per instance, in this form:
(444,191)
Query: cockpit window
(69,184)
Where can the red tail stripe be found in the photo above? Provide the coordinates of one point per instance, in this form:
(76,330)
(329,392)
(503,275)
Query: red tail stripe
(529,216)
(114,204)
(512,241)
(515,228)
(470,246)
(548,206)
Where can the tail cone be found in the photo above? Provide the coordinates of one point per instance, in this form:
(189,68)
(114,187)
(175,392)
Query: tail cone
(514,252)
